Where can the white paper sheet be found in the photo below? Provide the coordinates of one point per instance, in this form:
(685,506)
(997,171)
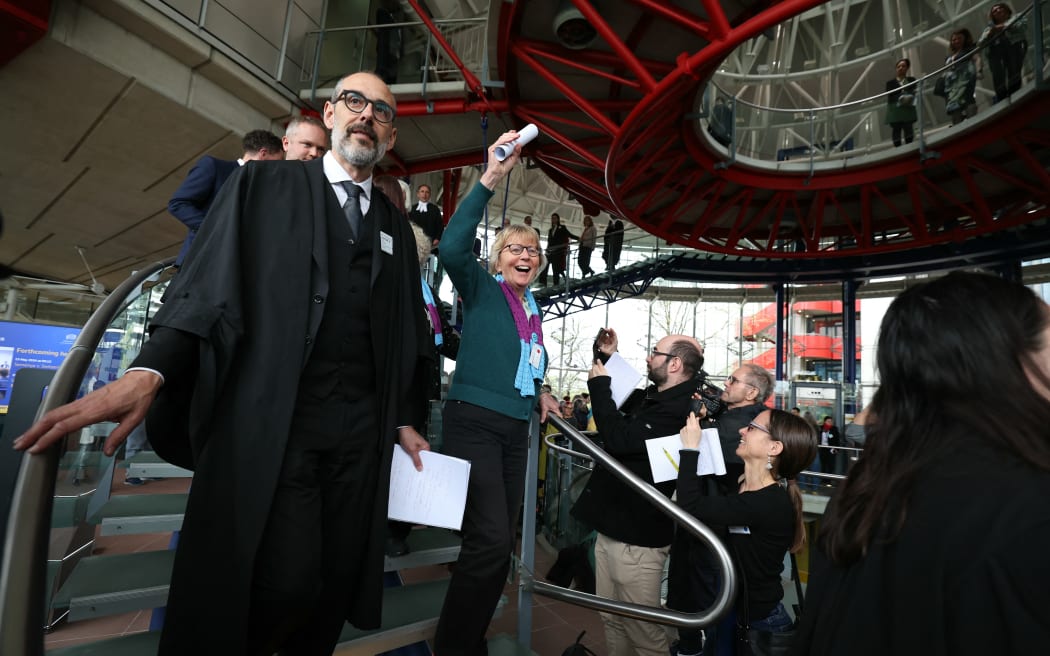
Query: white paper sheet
(624,378)
(435,496)
(664,457)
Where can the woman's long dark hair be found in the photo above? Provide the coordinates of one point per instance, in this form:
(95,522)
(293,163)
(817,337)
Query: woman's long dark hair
(959,351)
(799,440)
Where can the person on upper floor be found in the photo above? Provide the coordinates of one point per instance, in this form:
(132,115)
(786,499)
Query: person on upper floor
(557,248)
(960,80)
(900,103)
(1005,45)
(936,542)
(588,240)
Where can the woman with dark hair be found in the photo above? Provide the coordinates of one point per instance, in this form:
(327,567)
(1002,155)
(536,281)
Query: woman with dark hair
(960,80)
(1006,45)
(764,519)
(936,542)
(900,103)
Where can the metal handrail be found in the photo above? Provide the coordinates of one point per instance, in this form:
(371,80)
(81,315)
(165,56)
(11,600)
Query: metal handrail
(727,593)
(23,568)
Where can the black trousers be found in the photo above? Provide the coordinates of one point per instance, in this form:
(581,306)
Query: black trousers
(497,448)
(309,561)
(585,260)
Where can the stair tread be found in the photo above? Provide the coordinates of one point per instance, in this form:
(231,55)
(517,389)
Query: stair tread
(100,575)
(138,505)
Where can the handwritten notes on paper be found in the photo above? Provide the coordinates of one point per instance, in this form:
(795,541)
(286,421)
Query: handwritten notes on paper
(435,496)
(664,456)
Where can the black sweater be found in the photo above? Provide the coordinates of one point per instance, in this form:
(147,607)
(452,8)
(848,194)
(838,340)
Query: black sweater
(608,505)
(761,529)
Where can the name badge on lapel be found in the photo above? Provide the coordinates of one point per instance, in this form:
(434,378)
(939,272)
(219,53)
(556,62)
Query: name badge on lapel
(386,243)
(536,356)
(740,530)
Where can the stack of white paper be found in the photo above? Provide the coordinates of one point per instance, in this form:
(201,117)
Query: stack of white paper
(624,378)
(435,496)
(664,457)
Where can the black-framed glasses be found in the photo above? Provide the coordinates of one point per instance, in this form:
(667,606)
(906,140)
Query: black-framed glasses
(516,249)
(758,427)
(356,103)
(666,355)
(733,380)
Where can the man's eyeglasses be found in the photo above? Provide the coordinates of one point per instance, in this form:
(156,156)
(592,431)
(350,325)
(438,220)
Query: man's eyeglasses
(516,249)
(666,355)
(733,380)
(757,427)
(356,103)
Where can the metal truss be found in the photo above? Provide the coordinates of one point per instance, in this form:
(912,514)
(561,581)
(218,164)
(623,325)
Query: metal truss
(1029,241)
(621,115)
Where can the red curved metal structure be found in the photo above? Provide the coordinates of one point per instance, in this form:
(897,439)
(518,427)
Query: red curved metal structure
(621,135)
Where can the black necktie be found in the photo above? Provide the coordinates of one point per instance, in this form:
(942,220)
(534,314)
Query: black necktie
(352,207)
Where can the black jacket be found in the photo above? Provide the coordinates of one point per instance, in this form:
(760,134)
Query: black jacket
(239,322)
(607,504)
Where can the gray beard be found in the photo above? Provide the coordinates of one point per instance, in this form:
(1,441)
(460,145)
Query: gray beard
(361,157)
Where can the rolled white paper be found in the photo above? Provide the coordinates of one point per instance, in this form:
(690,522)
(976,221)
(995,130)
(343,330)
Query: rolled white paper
(525,135)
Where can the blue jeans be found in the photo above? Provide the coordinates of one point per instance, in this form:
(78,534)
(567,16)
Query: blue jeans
(778,621)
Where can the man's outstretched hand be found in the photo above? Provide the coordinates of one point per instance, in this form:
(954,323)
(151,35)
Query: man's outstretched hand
(124,401)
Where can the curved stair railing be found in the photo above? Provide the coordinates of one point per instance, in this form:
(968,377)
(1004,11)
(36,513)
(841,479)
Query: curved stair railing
(23,565)
(726,594)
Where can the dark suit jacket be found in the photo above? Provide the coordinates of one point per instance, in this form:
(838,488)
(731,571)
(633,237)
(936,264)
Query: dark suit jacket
(430,220)
(245,309)
(194,196)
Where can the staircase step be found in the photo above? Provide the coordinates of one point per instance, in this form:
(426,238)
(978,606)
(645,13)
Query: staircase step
(410,615)
(148,464)
(108,585)
(135,644)
(505,645)
(141,513)
(427,546)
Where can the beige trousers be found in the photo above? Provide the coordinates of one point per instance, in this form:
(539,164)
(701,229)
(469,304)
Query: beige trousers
(630,573)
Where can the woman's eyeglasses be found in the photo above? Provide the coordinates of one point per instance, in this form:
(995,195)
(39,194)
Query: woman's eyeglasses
(516,249)
(758,427)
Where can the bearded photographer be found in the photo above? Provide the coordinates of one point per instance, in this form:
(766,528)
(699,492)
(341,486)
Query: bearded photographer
(633,536)
(693,580)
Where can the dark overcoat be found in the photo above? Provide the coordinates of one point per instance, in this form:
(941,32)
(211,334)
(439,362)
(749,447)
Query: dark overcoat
(253,293)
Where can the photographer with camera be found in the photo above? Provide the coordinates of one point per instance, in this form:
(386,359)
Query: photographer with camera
(633,536)
(693,581)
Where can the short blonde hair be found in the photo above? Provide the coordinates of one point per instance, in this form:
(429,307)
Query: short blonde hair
(515,234)
(423,243)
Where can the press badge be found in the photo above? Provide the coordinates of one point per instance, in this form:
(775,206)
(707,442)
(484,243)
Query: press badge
(386,242)
(536,356)
(740,530)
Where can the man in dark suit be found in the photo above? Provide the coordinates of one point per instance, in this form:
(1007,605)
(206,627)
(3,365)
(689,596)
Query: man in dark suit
(284,366)
(194,196)
(427,215)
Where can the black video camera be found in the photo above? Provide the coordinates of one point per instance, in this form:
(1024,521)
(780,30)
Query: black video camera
(710,397)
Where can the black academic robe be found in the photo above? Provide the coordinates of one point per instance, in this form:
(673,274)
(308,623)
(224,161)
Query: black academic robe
(253,296)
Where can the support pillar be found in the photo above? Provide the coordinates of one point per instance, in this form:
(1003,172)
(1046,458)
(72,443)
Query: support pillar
(849,345)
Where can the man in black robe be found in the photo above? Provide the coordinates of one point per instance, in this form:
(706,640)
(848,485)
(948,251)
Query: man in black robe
(282,367)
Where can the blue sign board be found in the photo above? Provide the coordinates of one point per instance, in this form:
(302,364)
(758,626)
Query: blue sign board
(30,345)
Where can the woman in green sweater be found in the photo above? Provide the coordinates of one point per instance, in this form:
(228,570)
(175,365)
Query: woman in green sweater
(499,370)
